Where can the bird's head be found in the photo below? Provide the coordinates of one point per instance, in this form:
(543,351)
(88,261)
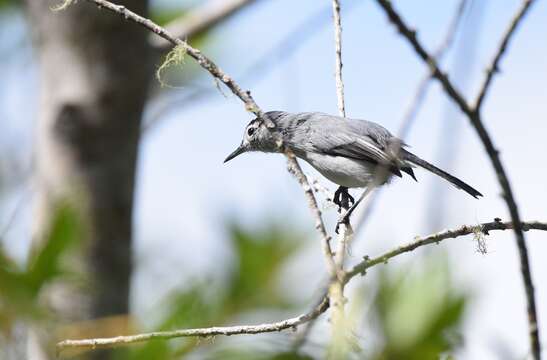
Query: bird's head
(258,137)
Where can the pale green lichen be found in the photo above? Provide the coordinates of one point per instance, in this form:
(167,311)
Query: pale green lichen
(218,85)
(175,57)
(62,6)
(480,238)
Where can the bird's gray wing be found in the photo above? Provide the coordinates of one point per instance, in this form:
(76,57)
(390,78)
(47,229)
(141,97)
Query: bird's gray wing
(362,148)
(358,139)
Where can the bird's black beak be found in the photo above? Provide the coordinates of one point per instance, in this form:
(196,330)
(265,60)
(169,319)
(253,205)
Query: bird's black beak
(240,150)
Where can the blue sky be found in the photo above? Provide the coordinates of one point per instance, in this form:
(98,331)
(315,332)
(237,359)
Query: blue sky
(185,192)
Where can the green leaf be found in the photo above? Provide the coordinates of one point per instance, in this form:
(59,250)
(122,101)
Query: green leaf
(21,285)
(8,3)
(260,255)
(190,308)
(47,263)
(418,312)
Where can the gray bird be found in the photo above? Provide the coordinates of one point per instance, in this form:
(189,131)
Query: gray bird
(349,152)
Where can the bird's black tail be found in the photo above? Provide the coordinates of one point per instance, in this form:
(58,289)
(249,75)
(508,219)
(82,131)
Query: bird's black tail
(408,156)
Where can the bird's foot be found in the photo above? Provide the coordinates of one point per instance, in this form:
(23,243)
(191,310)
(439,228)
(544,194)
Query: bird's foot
(344,219)
(342,198)
(350,200)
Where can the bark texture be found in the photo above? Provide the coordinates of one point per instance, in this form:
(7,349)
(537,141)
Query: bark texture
(94,73)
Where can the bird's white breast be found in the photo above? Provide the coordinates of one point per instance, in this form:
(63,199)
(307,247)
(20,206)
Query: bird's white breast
(341,170)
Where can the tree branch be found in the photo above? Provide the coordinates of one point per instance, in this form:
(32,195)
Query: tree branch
(433,65)
(438,54)
(321,307)
(346,231)
(336,286)
(196,54)
(291,323)
(338,57)
(494,66)
(245,96)
(417,100)
(251,106)
(483,228)
(200,19)
(278,53)
(475,118)
(294,168)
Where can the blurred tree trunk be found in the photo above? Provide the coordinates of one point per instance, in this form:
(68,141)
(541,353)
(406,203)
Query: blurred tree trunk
(94,75)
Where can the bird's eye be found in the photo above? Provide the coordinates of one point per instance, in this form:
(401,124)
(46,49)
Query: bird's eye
(250,131)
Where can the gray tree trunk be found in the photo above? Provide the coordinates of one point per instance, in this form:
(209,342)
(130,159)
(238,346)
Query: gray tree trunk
(94,75)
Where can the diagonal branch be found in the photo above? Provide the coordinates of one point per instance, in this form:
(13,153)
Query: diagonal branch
(481,229)
(291,323)
(196,54)
(431,62)
(475,118)
(294,168)
(494,67)
(321,307)
(199,20)
(438,54)
(412,109)
(278,53)
(245,96)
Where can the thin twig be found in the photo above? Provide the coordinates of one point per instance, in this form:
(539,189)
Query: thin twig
(506,187)
(336,287)
(484,228)
(295,169)
(494,66)
(291,323)
(338,57)
(474,116)
(346,231)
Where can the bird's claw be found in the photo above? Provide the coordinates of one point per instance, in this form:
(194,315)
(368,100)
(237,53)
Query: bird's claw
(344,219)
(342,198)
(350,199)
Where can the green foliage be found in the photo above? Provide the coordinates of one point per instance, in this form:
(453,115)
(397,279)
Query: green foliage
(242,354)
(251,285)
(419,314)
(7,3)
(416,311)
(46,264)
(20,285)
(259,258)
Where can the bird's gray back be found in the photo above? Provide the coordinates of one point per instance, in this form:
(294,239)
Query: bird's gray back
(352,152)
(322,133)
